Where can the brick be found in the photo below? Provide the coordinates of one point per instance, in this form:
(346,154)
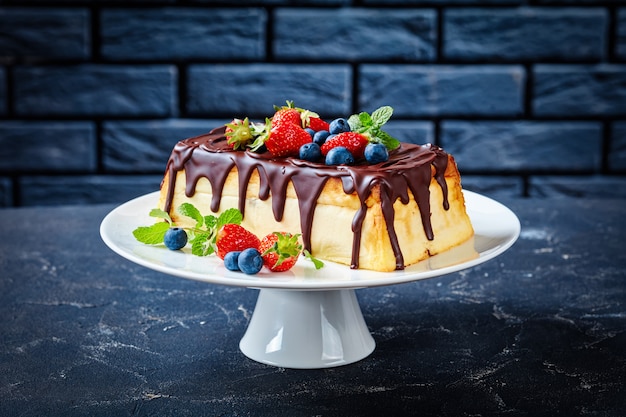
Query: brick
(620,37)
(355,34)
(495,187)
(437,90)
(90,189)
(523,146)
(252,90)
(27,33)
(183,33)
(418,132)
(579,90)
(39,146)
(577,187)
(525,33)
(145,146)
(6,192)
(617,149)
(95,90)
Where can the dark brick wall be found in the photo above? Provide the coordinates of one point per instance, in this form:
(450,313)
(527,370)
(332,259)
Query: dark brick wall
(529,95)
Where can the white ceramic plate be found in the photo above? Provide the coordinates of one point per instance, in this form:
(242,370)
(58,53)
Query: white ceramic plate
(496,229)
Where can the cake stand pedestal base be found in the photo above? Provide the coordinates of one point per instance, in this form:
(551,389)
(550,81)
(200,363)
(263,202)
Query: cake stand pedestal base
(307,329)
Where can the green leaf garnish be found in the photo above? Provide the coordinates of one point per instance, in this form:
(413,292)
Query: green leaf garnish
(230,216)
(316,262)
(189,210)
(202,244)
(381,115)
(201,237)
(370,125)
(151,235)
(160,214)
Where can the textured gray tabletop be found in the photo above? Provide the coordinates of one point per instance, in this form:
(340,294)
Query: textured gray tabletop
(540,330)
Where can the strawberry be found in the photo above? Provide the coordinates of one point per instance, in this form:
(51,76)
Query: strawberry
(287,115)
(280,251)
(238,133)
(318,124)
(285,139)
(233,237)
(353,141)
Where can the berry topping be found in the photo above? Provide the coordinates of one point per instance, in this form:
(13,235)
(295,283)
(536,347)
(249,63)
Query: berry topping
(239,134)
(320,136)
(318,124)
(286,139)
(280,251)
(233,237)
(175,238)
(376,153)
(250,261)
(339,156)
(353,141)
(286,115)
(338,126)
(310,152)
(231,260)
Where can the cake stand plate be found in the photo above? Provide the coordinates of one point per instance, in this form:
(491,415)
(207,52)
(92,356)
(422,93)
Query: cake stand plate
(308,318)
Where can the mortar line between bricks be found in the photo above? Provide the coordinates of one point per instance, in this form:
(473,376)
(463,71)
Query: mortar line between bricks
(96,42)
(611,35)
(528,92)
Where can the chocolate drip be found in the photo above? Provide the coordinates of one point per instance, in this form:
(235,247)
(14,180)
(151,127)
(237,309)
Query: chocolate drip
(408,168)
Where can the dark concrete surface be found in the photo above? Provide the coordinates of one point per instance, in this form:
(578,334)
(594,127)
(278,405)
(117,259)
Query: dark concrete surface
(538,331)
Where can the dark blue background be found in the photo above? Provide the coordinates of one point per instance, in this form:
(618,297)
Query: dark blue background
(530,96)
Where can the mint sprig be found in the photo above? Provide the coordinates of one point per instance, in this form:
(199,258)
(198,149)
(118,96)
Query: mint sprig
(202,236)
(371,125)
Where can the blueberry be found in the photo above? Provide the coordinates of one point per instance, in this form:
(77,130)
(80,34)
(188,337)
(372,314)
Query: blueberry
(175,238)
(231,260)
(320,137)
(339,156)
(250,261)
(310,152)
(376,153)
(338,126)
(310,131)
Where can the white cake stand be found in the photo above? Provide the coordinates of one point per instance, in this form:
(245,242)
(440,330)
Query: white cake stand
(308,318)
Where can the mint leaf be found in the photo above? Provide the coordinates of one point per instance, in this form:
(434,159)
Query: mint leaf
(160,214)
(151,235)
(203,244)
(386,139)
(381,115)
(189,210)
(230,216)
(366,119)
(354,122)
(210,221)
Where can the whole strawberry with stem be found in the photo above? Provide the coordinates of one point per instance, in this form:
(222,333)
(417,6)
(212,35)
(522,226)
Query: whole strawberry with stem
(234,237)
(284,134)
(280,250)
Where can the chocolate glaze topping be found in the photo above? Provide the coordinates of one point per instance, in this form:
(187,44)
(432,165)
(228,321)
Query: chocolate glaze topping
(408,168)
